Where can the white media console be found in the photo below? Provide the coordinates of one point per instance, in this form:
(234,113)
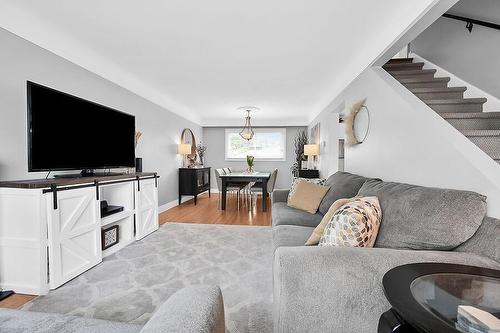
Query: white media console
(50,230)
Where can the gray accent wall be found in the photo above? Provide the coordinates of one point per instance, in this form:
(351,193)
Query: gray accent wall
(473,57)
(214,139)
(21,61)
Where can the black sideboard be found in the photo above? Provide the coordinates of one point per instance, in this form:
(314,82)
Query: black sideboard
(304,173)
(193,181)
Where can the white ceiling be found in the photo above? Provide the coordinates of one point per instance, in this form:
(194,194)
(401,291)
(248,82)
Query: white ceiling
(203,59)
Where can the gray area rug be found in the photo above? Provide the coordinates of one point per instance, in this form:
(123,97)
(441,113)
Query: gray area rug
(129,285)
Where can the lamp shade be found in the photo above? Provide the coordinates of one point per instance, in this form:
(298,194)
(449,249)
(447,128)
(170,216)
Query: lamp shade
(184,149)
(311,150)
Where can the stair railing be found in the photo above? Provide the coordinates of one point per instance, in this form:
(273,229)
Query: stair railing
(470,22)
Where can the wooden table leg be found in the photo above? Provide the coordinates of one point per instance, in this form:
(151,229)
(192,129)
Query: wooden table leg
(224,190)
(264,194)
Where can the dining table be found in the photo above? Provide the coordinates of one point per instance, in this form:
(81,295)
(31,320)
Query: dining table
(245,177)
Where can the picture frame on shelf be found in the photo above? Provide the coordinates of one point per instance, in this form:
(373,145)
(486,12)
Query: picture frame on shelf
(110,236)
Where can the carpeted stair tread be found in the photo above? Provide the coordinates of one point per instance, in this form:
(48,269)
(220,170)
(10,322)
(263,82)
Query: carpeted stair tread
(412,72)
(424,80)
(455,101)
(400,60)
(475,133)
(470,115)
(403,66)
(438,89)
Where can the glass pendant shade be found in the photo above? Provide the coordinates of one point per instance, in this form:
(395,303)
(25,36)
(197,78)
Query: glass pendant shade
(247,131)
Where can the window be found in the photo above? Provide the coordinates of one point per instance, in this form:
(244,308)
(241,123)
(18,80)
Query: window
(267,144)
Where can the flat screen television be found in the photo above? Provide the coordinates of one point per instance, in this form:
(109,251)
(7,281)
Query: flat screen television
(66,132)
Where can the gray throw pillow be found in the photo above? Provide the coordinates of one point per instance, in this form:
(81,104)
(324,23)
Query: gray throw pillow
(342,185)
(425,218)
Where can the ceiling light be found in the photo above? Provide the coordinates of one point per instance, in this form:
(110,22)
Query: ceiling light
(247,132)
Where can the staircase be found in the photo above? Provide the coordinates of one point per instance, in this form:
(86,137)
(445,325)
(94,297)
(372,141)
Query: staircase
(465,114)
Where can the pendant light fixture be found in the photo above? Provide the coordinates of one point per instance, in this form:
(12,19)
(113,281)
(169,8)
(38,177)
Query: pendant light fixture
(247,132)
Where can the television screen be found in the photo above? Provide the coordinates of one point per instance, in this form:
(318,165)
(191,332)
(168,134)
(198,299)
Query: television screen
(69,133)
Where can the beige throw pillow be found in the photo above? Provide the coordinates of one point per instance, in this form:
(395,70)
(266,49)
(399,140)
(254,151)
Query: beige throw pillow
(318,231)
(297,180)
(355,224)
(307,196)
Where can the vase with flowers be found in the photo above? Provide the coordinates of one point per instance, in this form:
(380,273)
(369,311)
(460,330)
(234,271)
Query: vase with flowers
(201,149)
(250,162)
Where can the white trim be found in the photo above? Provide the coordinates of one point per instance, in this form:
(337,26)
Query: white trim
(281,130)
(493,103)
(173,203)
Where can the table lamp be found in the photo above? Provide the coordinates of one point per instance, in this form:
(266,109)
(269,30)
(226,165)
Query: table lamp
(184,149)
(311,151)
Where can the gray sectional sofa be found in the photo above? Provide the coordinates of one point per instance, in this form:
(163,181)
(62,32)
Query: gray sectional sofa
(198,309)
(326,289)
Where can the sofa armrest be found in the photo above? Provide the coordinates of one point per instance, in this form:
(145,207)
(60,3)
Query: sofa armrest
(280,196)
(325,289)
(198,309)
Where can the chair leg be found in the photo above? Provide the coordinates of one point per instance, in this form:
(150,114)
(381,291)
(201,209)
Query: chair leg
(238,198)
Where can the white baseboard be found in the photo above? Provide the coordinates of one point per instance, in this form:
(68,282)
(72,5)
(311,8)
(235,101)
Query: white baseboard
(173,204)
(493,103)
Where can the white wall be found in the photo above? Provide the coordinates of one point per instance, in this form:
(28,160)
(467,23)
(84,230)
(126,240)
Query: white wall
(474,57)
(408,142)
(214,139)
(21,61)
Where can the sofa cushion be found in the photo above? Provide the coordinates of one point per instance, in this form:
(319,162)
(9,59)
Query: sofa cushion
(36,322)
(307,197)
(290,235)
(425,218)
(284,215)
(342,185)
(486,240)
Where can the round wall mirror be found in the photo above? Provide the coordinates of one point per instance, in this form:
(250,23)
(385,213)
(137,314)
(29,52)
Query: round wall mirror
(361,124)
(187,137)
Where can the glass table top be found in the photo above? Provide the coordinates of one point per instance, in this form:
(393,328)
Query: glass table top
(442,293)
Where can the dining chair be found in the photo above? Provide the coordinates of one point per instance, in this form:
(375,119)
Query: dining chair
(257,187)
(229,188)
(244,187)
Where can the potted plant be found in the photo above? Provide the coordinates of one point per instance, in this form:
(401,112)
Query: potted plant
(250,162)
(299,141)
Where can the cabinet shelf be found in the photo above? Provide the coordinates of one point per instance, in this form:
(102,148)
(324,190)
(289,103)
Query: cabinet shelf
(115,217)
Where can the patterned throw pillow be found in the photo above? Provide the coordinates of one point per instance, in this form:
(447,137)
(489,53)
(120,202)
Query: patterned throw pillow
(355,224)
(297,180)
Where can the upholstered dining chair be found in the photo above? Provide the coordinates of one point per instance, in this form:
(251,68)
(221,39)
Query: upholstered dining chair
(230,188)
(257,187)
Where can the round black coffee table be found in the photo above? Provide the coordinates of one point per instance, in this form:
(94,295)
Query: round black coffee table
(425,296)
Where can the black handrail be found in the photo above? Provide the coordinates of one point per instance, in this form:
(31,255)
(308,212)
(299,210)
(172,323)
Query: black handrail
(470,22)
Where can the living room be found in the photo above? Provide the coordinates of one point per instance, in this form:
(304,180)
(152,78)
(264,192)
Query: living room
(249,167)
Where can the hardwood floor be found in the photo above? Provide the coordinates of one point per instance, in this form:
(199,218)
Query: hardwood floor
(16,301)
(206,211)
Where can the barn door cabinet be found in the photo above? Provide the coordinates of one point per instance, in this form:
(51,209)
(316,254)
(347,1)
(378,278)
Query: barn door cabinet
(50,230)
